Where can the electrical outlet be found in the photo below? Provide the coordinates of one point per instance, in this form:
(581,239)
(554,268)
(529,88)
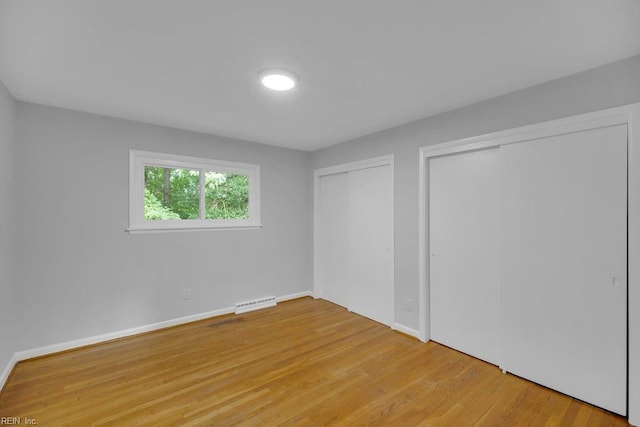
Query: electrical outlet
(408,304)
(186,294)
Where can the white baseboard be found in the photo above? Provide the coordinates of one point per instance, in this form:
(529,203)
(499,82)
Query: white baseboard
(294,296)
(68,345)
(8,369)
(406,330)
(82,342)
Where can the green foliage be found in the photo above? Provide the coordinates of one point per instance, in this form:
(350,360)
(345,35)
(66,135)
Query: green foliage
(153,208)
(227,196)
(175,194)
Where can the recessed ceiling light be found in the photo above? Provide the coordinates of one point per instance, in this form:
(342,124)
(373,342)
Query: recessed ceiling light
(278,79)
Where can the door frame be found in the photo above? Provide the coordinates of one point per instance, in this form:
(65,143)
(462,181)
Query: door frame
(387,160)
(629,115)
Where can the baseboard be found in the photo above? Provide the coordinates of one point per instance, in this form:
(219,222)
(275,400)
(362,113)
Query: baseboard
(7,371)
(83,342)
(294,296)
(406,330)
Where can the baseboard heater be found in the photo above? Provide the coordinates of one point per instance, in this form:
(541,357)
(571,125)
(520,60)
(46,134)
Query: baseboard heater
(257,304)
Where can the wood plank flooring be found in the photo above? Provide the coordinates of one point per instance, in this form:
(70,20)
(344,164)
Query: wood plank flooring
(304,362)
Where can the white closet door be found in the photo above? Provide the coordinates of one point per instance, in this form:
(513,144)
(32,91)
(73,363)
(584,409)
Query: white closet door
(563,284)
(333,272)
(463,242)
(371,242)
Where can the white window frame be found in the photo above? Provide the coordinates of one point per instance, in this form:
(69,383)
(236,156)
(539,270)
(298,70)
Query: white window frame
(138,160)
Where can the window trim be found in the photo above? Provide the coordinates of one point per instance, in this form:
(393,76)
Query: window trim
(138,160)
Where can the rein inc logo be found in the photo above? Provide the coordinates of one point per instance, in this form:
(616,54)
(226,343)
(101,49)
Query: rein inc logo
(17,421)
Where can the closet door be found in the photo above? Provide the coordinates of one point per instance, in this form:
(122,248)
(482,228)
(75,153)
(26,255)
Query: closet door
(563,283)
(355,228)
(371,241)
(463,242)
(333,271)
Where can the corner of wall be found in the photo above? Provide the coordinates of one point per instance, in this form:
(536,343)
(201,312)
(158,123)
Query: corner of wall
(7,233)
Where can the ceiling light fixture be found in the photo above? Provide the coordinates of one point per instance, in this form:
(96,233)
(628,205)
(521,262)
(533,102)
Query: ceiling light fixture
(278,79)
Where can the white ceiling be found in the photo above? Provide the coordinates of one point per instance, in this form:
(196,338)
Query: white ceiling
(364,65)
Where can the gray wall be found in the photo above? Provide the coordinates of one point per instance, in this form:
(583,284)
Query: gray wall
(608,86)
(81,274)
(7,235)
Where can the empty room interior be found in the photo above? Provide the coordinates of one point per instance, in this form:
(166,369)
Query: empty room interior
(320,212)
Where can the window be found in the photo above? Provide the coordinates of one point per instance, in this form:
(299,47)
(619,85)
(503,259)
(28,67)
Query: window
(171,193)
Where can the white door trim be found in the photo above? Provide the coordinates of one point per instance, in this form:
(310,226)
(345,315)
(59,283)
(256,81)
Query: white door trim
(387,160)
(629,115)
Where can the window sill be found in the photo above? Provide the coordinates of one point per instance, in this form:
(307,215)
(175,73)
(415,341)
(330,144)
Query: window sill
(150,230)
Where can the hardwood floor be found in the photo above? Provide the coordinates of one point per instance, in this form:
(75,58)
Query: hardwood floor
(304,362)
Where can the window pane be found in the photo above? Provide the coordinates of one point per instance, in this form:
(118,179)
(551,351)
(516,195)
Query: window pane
(171,193)
(227,196)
